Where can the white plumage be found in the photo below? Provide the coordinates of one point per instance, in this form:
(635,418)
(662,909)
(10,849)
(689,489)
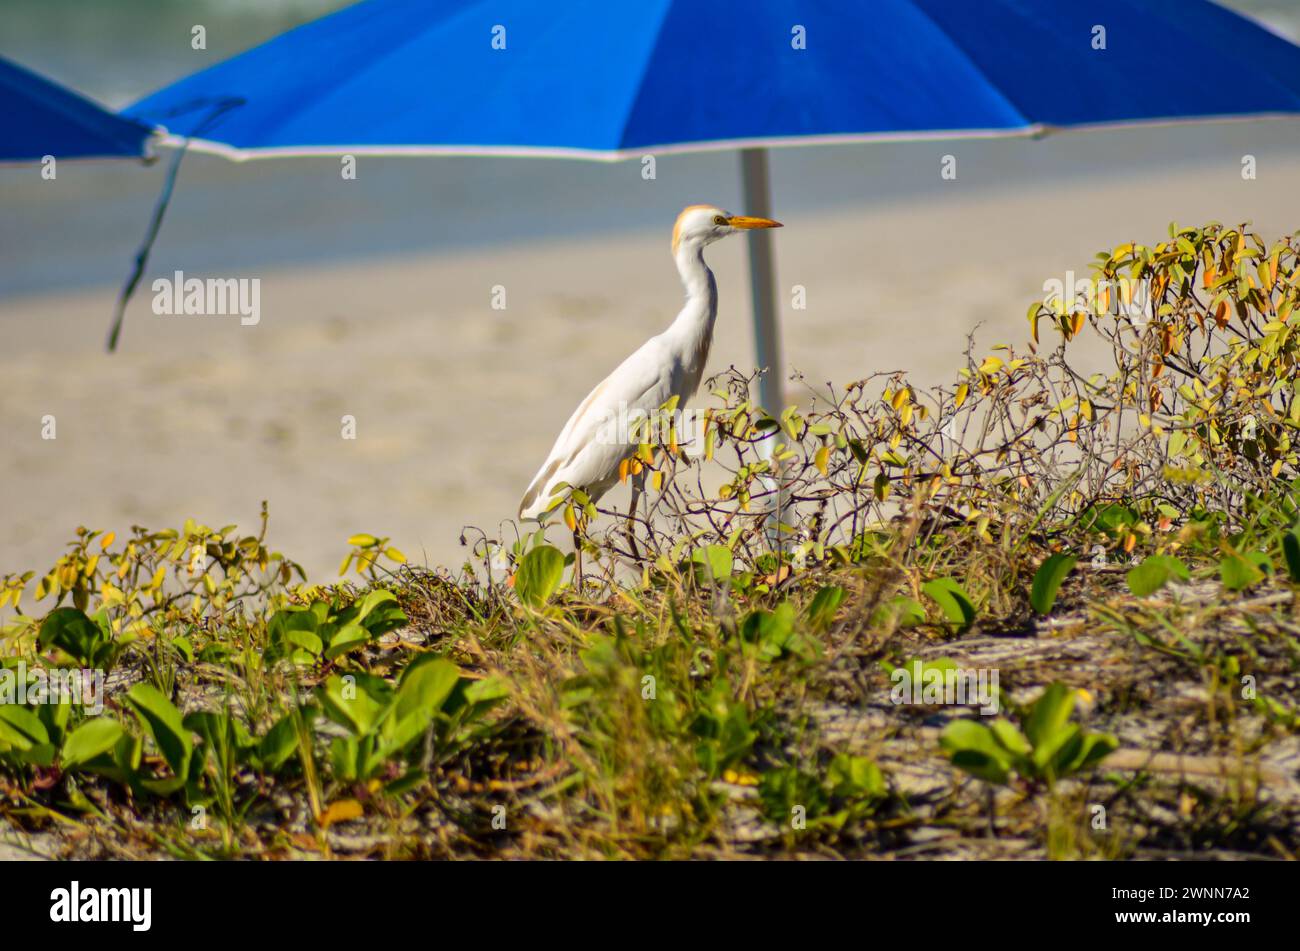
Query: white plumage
(670,364)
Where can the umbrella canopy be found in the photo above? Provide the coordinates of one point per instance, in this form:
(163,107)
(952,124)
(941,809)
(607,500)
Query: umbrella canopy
(43,118)
(592,79)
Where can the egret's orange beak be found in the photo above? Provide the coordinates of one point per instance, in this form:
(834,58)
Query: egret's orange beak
(744,222)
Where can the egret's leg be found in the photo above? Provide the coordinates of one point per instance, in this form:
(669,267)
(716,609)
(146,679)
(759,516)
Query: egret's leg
(638,486)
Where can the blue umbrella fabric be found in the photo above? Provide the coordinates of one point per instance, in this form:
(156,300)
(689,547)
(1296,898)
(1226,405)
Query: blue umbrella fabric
(588,78)
(42,118)
(594,79)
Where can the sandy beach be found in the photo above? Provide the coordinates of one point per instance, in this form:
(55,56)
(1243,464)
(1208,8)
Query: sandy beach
(456,402)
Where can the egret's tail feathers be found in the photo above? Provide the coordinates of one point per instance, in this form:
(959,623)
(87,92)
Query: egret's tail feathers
(536,499)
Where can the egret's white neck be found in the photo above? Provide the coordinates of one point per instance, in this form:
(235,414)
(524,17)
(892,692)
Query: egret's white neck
(692,332)
(701,290)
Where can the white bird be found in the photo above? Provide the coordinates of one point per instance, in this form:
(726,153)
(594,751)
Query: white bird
(670,364)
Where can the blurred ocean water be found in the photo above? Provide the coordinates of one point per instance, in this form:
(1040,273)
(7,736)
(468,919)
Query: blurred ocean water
(229,218)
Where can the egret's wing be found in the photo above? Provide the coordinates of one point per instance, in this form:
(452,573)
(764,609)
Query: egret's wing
(590,447)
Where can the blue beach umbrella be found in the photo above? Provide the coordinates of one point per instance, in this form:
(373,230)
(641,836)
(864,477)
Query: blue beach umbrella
(601,80)
(41,118)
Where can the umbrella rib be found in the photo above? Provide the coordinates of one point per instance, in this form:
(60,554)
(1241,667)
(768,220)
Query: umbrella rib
(651,49)
(961,50)
(80,111)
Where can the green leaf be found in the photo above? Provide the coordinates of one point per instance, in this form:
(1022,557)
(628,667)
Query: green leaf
(1053,755)
(952,600)
(357,702)
(821,612)
(1049,715)
(1112,519)
(280,742)
(852,776)
(1291,549)
(21,729)
(1238,573)
(1011,739)
(972,747)
(296,627)
(488,690)
(72,632)
(898,612)
(372,600)
(1047,581)
(1093,749)
(55,716)
(378,613)
(773,632)
(304,639)
(350,637)
(1154,573)
(425,685)
(95,736)
(715,562)
(162,721)
(539,575)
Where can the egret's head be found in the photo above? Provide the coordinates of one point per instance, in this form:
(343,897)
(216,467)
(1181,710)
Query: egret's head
(704,224)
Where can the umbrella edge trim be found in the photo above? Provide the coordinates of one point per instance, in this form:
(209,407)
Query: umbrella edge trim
(237,154)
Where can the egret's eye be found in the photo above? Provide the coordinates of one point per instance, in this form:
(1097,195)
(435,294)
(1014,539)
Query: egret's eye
(719,220)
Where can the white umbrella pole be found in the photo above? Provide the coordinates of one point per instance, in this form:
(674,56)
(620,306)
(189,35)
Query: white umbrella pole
(762,284)
(767,333)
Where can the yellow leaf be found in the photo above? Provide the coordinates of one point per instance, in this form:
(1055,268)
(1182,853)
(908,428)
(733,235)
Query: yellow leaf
(362,541)
(821,458)
(962,392)
(340,811)
(900,398)
(881,486)
(112,595)
(990,366)
(395,555)
(570,519)
(106,541)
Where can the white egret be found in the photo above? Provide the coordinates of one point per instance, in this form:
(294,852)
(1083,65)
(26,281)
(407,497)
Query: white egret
(587,454)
